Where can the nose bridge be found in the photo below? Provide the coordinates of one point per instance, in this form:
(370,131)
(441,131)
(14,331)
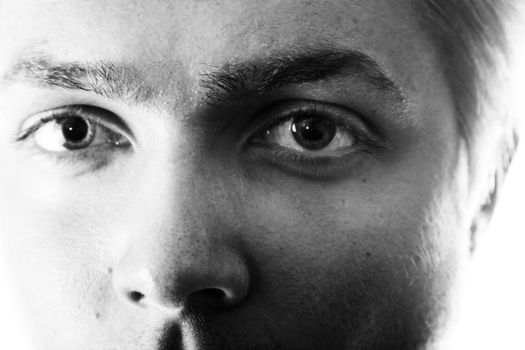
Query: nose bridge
(180,246)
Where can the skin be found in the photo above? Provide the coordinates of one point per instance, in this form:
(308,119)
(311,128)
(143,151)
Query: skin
(195,238)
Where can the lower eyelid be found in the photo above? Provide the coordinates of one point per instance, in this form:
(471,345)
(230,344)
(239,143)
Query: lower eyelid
(77,163)
(313,168)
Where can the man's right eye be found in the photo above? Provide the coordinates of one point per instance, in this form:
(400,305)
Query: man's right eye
(76,132)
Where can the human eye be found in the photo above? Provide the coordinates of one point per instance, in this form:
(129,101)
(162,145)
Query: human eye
(75,134)
(313,139)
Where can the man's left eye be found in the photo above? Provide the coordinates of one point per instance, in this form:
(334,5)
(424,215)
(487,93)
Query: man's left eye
(313,134)
(312,139)
(314,130)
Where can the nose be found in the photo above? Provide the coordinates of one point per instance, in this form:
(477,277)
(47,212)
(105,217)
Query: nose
(180,259)
(193,276)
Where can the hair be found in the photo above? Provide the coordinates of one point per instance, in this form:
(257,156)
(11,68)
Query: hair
(473,44)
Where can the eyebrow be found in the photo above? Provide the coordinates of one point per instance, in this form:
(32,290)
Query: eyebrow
(233,81)
(110,80)
(220,85)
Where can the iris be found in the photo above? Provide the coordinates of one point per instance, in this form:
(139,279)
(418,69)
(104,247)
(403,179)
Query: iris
(77,132)
(313,133)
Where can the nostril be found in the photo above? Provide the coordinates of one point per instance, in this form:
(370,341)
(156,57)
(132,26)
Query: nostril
(213,293)
(135,296)
(209,298)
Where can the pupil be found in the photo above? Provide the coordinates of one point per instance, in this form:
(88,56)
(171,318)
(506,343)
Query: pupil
(313,133)
(75,129)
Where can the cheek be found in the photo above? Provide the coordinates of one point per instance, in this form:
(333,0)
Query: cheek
(56,241)
(356,259)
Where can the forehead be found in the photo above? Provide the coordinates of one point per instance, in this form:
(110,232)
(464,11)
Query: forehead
(191,33)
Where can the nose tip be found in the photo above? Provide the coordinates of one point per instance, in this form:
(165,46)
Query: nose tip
(220,285)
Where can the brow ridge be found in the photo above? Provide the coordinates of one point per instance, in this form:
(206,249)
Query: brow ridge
(220,85)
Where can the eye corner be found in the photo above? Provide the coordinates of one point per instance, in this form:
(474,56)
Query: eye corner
(24,134)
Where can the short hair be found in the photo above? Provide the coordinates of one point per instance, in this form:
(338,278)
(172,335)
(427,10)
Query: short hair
(473,45)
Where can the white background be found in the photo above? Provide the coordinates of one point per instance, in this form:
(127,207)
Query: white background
(493,309)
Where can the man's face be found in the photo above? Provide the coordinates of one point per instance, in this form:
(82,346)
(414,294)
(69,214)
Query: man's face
(227,174)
